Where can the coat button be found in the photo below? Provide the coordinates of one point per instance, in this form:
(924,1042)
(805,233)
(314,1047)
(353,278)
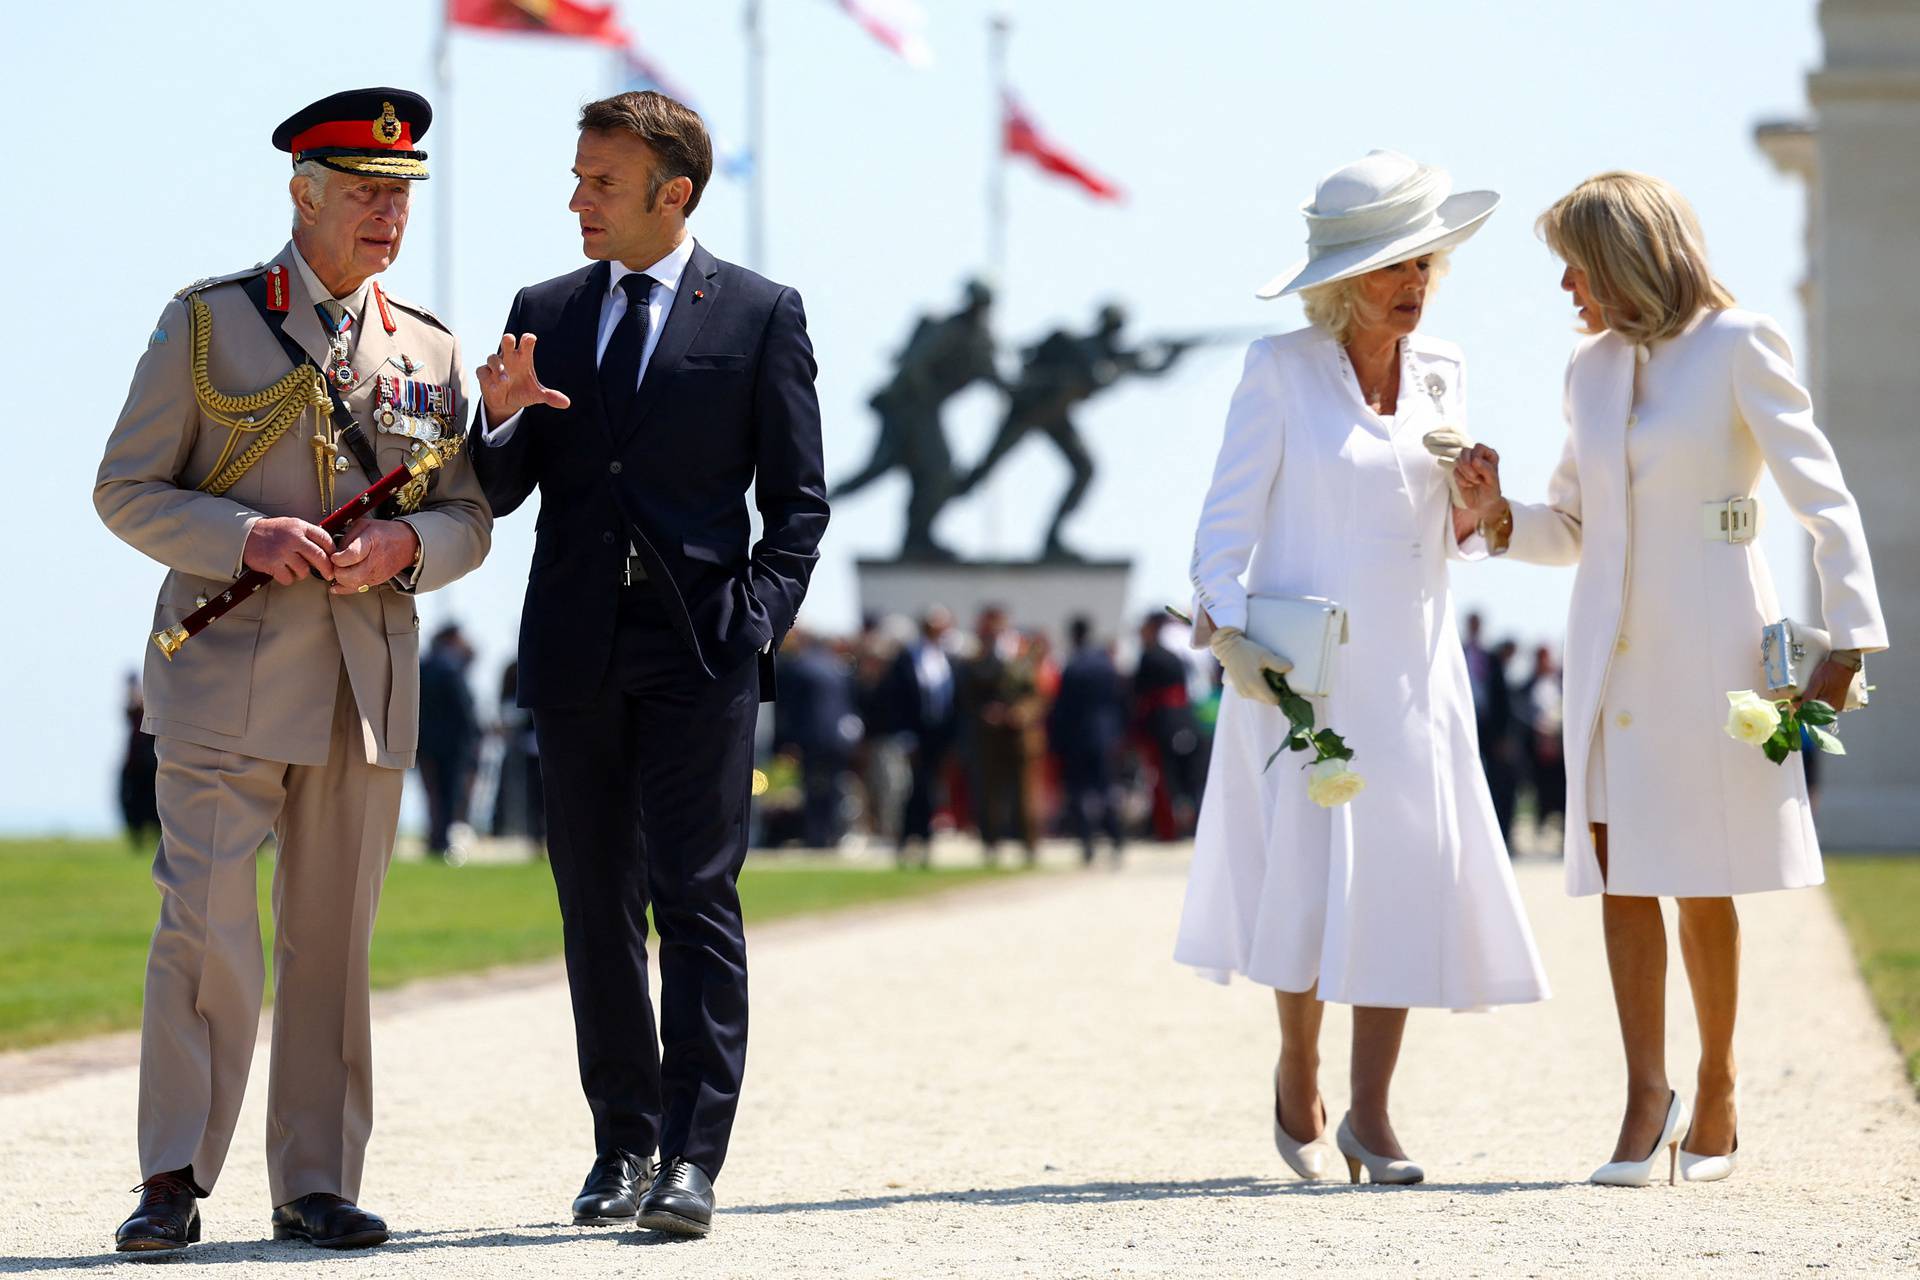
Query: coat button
(607,537)
(1633,420)
(614,467)
(1623,720)
(1622,646)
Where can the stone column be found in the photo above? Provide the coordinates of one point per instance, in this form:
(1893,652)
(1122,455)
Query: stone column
(1866,327)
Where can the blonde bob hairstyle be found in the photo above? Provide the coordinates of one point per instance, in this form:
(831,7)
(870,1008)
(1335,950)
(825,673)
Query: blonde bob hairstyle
(1338,307)
(1640,245)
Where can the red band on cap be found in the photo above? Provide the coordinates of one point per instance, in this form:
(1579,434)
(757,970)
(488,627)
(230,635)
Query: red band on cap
(361,135)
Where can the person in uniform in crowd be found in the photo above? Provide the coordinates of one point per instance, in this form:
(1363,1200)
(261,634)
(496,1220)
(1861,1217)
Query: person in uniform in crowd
(1164,720)
(449,736)
(265,399)
(139,808)
(815,719)
(923,712)
(667,383)
(1085,727)
(1676,400)
(996,700)
(1325,488)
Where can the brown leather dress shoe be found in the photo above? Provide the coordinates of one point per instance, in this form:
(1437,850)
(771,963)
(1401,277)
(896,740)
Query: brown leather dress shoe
(328,1222)
(168,1216)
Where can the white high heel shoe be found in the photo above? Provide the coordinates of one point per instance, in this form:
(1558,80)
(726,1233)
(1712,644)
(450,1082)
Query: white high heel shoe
(1695,1168)
(1637,1173)
(1379,1169)
(1311,1160)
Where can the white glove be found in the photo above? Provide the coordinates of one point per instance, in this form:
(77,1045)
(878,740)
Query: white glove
(1446,443)
(1247,663)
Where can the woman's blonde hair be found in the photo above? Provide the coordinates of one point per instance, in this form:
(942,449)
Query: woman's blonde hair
(1640,245)
(1339,307)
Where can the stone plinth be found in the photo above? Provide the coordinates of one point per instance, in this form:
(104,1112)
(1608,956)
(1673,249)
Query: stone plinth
(1037,596)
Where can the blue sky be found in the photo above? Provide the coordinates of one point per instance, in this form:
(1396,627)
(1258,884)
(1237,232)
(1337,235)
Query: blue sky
(138,161)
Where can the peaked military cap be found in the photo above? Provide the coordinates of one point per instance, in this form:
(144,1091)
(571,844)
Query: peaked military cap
(371,132)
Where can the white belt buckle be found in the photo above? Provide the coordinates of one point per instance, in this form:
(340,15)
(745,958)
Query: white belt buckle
(1732,521)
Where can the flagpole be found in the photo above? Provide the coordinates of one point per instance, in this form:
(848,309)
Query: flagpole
(756,139)
(443,198)
(998,28)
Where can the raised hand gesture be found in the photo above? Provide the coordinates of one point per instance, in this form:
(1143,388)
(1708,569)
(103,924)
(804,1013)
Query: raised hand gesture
(508,383)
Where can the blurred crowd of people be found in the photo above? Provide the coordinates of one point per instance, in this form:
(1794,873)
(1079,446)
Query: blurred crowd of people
(908,729)
(1517,710)
(912,728)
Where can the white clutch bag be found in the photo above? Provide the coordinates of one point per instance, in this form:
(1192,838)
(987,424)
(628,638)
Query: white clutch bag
(1790,652)
(1305,630)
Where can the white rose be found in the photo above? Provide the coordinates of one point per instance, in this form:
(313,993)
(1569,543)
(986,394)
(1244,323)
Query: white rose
(1751,718)
(1331,783)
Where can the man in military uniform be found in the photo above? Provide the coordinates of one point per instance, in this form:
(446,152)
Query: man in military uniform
(941,359)
(265,399)
(1060,373)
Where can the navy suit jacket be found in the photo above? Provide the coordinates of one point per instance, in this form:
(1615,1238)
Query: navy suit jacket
(727,402)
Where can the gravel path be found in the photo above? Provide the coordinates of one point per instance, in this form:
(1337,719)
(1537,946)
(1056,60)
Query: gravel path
(1019,1082)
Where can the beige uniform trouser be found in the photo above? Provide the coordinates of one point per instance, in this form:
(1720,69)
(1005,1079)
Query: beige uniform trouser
(334,828)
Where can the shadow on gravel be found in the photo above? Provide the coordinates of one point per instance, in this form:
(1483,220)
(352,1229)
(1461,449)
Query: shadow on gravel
(1113,1192)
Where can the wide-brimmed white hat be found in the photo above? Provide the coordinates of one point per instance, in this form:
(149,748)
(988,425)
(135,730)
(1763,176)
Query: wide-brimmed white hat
(1378,211)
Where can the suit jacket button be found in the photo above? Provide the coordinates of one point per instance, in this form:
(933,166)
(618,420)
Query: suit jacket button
(607,537)
(1624,720)
(614,467)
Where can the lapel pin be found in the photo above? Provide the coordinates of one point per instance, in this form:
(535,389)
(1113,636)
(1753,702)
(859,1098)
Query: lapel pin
(697,295)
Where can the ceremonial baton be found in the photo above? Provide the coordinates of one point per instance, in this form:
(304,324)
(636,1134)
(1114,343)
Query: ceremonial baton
(429,459)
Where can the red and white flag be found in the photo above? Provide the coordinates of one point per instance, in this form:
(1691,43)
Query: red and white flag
(897,24)
(1021,137)
(573,19)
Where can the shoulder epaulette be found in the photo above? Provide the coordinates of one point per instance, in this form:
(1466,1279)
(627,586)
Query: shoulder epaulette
(418,310)
(199,286)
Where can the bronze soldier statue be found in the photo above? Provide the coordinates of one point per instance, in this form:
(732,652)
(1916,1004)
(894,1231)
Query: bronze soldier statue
(1060,373)
(942,358)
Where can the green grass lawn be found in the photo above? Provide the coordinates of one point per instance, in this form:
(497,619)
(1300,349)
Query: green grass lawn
(75,918)
(1879,899)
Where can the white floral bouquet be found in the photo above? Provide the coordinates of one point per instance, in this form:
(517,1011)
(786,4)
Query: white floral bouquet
(1776,725)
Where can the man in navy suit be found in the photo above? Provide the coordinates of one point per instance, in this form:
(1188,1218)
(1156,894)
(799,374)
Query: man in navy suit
(666,383)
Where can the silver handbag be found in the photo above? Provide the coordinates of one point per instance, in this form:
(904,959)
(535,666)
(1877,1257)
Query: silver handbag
(1790,652)
(1305,630)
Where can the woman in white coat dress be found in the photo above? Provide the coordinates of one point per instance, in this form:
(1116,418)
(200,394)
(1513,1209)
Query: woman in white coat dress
(1403,897)
(1673,405)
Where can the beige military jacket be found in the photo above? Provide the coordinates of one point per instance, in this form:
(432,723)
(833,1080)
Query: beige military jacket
(261,680)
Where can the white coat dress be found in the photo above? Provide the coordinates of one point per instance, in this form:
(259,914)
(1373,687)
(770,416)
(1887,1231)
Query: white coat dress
(1404,897)
(1664,622)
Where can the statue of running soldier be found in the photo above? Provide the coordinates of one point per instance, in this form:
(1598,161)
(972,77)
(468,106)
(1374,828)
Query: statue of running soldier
(1061,372)
(942,358)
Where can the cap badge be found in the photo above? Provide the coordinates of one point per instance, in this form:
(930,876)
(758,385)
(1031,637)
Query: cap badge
(386,130)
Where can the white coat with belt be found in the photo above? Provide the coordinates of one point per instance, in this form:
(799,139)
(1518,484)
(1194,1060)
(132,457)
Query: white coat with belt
(1403,897)
(1666,621)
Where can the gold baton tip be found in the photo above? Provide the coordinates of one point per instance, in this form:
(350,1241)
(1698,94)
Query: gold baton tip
(170,640)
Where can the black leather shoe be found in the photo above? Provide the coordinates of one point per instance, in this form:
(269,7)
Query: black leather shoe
(613,1189)
(680,1203)
(328,1222)
(167,1218)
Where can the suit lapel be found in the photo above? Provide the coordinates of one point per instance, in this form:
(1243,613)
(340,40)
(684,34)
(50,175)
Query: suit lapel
(693,301)
(574,345)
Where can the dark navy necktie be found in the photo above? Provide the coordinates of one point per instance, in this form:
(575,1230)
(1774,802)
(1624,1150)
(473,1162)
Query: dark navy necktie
(620,362)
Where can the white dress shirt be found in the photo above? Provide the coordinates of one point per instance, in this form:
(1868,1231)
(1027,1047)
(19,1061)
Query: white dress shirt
(666,274)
